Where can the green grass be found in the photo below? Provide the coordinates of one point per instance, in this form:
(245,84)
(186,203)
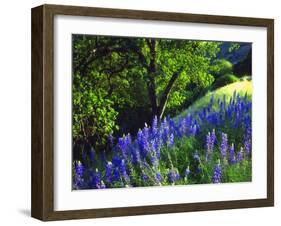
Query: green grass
(241,87)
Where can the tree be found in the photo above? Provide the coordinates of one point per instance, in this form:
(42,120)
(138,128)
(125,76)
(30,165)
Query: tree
(134,76)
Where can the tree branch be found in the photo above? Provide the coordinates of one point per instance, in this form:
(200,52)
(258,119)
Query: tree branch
(167,91)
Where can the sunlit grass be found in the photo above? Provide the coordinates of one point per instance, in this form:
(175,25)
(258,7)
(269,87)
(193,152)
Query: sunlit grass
(241,88)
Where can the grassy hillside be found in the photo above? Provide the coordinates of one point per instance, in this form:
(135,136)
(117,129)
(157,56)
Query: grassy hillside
(241,87)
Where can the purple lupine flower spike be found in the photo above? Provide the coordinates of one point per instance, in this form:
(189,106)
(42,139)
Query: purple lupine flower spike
(154,128)
(142,143)
(223,146)
(123,171)
(173,176)
(79,175)
(109,173)
(171,140)
(232,159)
(213,137)
(240,155)
(96,179)
(79,169)
(144,177)
(210,141)
(247,146)
(217,174)
(158,178)
(122,146)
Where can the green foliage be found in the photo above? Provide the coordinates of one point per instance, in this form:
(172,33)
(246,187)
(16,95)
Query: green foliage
(220,67)
(93,114)
(225,80)
(192,59)
(117,80)
(233,46)
(239,172)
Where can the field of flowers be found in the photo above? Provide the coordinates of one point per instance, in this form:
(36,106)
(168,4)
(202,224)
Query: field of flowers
(209,145)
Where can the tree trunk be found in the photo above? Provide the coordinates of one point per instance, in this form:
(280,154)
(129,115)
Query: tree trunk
(158,109)
(166,93)
(151,70)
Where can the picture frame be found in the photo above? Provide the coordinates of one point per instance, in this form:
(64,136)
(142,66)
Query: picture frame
(43,174)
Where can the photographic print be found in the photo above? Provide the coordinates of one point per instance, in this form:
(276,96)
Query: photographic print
(160,112)
(131,106)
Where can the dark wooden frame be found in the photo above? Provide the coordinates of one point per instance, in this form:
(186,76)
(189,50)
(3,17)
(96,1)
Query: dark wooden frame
(42,203)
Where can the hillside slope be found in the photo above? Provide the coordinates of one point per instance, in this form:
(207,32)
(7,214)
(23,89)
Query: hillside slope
(241,87)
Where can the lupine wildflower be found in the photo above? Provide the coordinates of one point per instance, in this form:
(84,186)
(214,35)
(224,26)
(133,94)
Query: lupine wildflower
(154,128)
(79,169)
(223,146)
(96,179)
(165,128)
(247,146)
(247,135)
(109,173)
(79,175)
(156,147)
(240,155)
(122,146)
(232,158)
(192,130)
(141,154)
(142,143)
(128,139)
(171,140)
(213,137)
(210,141)
(217,174)
(146,137)
(158,178)
(154,159)
(173,176)
(144,177)
(135,155)
(123,171)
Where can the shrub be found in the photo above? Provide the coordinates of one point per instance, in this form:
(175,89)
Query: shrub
(225,80)
(221,67)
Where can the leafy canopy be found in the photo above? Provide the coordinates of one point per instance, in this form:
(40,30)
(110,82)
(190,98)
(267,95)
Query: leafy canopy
(121,83)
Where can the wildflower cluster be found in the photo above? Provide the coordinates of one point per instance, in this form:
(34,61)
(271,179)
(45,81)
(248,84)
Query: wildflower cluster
(170,151)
